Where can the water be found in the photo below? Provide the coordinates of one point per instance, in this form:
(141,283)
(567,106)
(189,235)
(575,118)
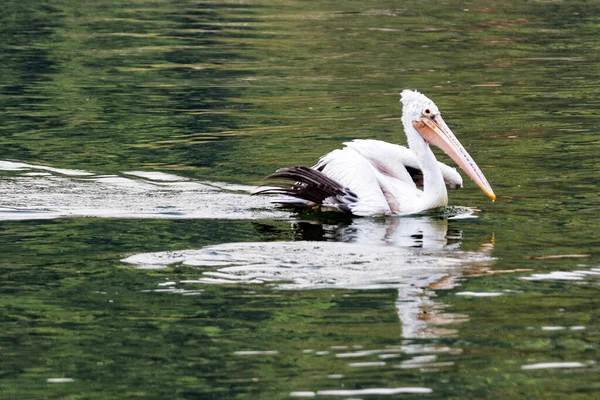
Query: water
(135,264)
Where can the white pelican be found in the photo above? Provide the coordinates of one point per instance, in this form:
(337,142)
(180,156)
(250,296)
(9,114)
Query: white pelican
(372,177)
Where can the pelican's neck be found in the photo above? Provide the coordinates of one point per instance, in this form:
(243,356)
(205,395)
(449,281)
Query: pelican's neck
(434,188)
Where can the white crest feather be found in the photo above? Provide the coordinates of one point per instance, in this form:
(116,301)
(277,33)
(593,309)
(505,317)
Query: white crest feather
(409,96)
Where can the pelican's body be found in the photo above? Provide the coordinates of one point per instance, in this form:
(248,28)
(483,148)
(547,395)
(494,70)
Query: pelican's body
(371,177)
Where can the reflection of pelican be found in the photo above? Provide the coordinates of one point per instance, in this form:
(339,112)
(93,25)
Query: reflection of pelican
(413,255)
(371,177)
(426,232)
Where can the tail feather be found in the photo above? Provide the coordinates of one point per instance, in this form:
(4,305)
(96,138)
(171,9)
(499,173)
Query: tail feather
(312,186)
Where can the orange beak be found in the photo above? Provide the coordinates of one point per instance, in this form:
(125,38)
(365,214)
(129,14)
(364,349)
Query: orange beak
(436,132)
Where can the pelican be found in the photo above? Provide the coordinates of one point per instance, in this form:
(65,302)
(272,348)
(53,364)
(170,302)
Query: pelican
(372,177)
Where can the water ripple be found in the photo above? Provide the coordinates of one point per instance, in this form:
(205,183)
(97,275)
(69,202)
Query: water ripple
(73,193)
(578,275)
(314,265)
(554,365)
(328,265)
(375,391)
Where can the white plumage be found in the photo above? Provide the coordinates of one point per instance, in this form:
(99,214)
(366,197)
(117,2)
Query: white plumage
(377,173)
(372,177)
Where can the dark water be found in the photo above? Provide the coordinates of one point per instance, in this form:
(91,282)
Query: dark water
(121,121)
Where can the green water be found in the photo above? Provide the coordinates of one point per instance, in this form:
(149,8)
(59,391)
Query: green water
(230,91)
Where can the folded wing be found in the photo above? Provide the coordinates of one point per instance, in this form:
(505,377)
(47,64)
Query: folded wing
(365,178)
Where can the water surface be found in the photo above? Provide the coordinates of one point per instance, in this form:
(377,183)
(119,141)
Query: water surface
(136,265)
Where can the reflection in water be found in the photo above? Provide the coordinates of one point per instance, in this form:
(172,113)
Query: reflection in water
(163,70)
(419,314)
(232,90)
(412,255)
(426,232)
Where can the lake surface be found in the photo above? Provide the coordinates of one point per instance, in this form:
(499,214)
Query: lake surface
(135,264)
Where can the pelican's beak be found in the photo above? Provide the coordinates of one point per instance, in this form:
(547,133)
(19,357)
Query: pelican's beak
(436,132)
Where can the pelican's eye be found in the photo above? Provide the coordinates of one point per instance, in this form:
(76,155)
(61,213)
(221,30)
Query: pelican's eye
(427,112)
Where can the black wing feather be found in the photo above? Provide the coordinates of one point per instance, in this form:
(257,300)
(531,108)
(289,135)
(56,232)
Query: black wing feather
(310,185)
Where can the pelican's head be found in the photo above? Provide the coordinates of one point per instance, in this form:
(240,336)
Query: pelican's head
(415,105)
(424,116)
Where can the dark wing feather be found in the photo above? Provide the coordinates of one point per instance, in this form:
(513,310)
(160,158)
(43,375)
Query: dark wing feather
(417,176)
(310,185)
